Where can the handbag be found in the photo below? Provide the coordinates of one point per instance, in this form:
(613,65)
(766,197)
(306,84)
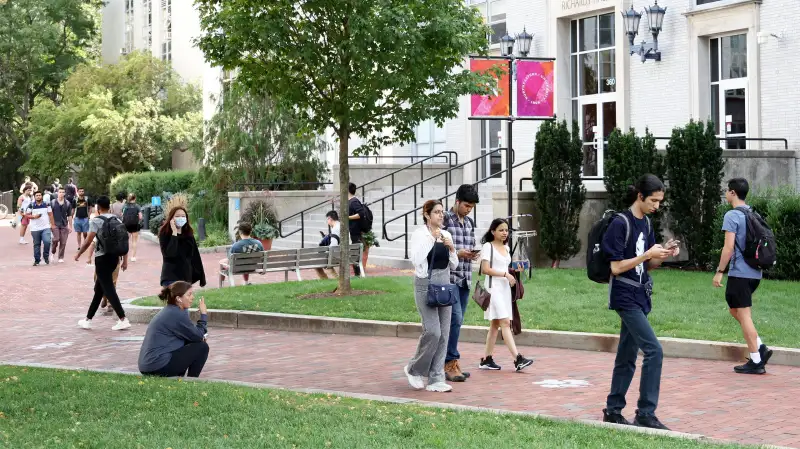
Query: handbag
(440,295)
(481,296)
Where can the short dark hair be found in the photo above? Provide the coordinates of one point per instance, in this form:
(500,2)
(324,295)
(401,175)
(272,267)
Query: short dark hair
(245,228)
(740,186)
(333,215)
(103,202)
(120,196)
(647,185)
(351,188)
(60,188)
(467,194)
(38,192)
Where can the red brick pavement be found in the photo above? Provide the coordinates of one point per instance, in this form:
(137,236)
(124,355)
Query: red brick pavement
(696,396)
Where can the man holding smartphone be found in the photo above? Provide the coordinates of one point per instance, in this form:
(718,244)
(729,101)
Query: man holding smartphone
(458,223)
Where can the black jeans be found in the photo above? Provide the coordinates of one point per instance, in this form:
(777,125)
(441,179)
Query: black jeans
(191,357)
(636,333)
(104,285)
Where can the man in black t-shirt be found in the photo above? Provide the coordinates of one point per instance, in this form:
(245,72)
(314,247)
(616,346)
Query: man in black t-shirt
(80,216)
(355,212)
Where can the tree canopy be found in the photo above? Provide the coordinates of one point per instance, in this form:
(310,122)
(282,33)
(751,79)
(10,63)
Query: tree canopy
(116,118)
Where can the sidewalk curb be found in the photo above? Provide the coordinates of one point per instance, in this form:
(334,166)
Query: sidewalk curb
(408,401)
(584,341)
(147,235)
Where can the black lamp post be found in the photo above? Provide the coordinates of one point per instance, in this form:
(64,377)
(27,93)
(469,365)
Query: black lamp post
(655,20)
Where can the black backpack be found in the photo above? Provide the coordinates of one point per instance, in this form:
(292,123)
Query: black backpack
(130,217)
(113,237)
(598,267)
(327,239)
(366,220)
(760,250)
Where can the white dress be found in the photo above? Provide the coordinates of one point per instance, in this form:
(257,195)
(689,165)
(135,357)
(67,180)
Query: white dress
(500,305)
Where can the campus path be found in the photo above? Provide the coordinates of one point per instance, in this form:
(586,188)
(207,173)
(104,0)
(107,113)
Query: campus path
(39,308)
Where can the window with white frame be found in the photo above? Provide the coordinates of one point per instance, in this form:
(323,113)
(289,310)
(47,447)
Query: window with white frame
(729,88)
(166,30)
(128,27)
(147,29)
(494,15)
(703,2)
(593,86)
(430,139)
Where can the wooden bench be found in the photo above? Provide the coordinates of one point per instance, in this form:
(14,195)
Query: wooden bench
(286,260)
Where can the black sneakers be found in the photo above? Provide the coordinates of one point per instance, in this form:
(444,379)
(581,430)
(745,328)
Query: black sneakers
(750,368)
(649,421)
(488,363)
(765,353)
(615,418)
(521,362)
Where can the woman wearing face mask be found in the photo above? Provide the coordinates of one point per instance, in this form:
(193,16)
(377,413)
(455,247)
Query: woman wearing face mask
(180,255)
(173,345)
(495,260)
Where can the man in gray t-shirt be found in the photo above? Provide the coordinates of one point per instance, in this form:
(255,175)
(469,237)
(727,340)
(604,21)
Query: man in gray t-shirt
(743,280)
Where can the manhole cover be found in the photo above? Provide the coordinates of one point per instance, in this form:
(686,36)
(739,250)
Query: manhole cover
(127,338)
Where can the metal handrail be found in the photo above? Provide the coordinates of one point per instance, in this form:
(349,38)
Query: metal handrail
(746,139)
(421,183)
(332,200)
(444,198)
(396,157)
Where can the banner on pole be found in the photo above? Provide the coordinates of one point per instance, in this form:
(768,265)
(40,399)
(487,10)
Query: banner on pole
(534,88)
(491,105)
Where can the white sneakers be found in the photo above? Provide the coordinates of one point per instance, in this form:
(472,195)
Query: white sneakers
(121,324)
(133,259)
(23,242)
(416,382)
(439,387)
(60,260)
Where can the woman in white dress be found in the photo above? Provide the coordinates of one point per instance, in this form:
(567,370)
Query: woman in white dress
(495,262)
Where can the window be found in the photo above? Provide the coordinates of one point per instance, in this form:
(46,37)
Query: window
(494,12)
(128,27)
(430,139)
(728,69)
(490,140)
(147,29)
(166,30)
(166,51)
(593,85)
(703,2)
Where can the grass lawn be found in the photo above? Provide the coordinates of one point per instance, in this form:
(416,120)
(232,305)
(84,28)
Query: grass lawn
(69,409)
(685,304)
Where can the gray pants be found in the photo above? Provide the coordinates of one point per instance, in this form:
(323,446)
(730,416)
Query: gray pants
(432,347)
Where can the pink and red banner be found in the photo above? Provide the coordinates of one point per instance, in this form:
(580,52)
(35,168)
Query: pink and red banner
(535,88)
(488,105)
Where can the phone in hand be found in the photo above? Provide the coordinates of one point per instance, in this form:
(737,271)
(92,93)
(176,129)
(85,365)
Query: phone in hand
(673,244)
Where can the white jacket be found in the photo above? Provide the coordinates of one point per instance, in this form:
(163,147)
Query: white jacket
(420,246)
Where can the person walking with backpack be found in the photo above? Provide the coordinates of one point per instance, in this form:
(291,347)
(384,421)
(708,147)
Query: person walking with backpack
(131,216)
(71,191)
(181,259)
(360,220)
(111,250)
(749,247)
(630,251)
(62,212)
(458,223)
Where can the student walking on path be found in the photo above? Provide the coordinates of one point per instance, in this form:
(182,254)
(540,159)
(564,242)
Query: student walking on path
(459,224)
(173,345)
(743,280)
(22,204)
(118,206)
(131,216)
(62,213)
(355,211)
(495,262)
(332,238)
(630,245)
(40,215)
(433,254)
(106,261)
(80,217)
(180,255)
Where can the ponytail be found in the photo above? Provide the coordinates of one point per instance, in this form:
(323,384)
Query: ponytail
(646,186)
(175,290)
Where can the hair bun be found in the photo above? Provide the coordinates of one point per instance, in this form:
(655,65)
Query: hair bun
(164,294)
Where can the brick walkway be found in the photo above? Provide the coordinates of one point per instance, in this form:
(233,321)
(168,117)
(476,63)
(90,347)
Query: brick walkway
(696,397)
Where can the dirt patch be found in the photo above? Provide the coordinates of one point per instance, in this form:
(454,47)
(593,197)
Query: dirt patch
(324,295)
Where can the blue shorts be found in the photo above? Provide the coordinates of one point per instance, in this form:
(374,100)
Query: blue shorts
(81,225)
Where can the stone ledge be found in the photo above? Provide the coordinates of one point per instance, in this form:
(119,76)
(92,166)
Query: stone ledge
(584,341)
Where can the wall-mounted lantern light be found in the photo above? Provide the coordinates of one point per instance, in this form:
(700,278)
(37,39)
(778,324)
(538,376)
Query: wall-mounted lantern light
(655,19)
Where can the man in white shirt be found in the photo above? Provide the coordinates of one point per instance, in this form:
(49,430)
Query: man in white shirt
(40,215)
(330,239)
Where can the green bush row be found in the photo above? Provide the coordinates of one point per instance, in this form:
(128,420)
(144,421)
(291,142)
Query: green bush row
(155,183)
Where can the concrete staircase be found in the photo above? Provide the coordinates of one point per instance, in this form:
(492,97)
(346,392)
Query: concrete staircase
(389,253)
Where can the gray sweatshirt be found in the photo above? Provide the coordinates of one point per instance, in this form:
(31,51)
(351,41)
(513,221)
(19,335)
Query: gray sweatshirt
(170,330)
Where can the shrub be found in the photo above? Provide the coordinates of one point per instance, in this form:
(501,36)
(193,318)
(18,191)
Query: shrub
(627,158)
(155,183)
(557,164)
(261,214)
(694,170)
(216,235)
(155,223)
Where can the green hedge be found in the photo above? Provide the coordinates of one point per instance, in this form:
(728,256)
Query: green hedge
(781,208)
(149,184)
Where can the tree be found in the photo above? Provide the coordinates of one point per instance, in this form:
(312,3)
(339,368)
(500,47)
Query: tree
(113,119)
(628,158)
(41,41)
(557,166)
(372,68)
(694,170)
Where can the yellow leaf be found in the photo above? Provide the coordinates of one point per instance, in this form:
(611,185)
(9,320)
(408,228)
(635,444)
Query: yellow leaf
(196,404)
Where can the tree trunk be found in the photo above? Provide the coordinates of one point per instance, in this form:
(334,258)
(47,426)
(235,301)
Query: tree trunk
(344,218)
(555,264)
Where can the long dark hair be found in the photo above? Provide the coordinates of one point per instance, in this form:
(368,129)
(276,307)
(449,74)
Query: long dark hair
(166,228)
(646,186)
(171,293)
(489,237)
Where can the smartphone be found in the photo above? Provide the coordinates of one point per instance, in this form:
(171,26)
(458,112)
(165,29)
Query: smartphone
(675,244)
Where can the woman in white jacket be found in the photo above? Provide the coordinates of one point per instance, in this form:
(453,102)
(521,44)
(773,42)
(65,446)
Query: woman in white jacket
(431,243)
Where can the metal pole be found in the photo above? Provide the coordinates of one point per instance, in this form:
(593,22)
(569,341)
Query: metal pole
(509,162)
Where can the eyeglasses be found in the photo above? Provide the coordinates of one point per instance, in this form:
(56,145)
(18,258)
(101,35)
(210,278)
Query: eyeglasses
(437,212)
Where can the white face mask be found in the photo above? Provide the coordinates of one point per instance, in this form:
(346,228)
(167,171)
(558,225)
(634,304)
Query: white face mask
(180,221)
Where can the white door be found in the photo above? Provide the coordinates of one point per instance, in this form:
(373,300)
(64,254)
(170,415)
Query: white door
(491,138)
(597,117)
(732,111)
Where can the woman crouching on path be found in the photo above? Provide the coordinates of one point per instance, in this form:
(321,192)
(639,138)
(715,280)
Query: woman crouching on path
(431,243)
(173,345)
